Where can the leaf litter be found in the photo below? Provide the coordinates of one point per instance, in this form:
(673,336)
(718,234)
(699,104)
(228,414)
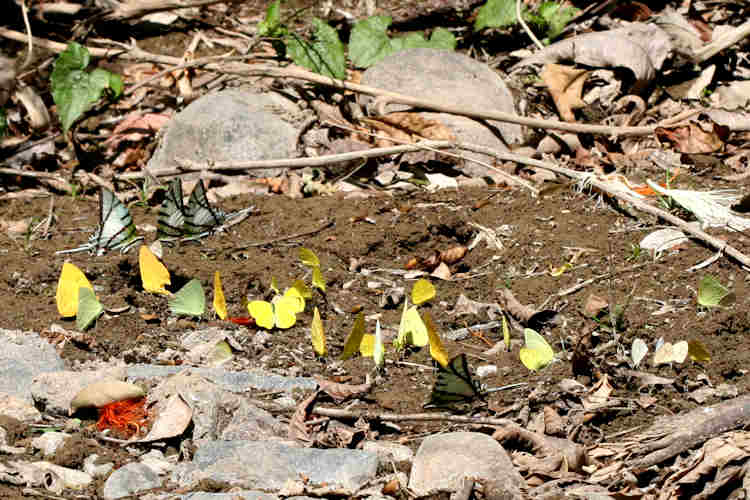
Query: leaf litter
(511,280)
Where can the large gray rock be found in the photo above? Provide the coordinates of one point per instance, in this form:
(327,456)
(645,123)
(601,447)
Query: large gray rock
(450,78)
(443,460)
(231,125)
(129,480)
(23,356)
(272,467)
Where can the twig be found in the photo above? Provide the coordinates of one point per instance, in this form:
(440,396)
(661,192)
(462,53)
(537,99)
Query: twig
(48,222)
(284,238)
(526,27)
(30,38)
(444,108)
(413,417)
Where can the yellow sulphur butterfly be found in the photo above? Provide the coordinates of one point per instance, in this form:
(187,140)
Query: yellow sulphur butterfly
(295,296)
(308,257)
(537,353)
(437,351)
(411,330)
(88,308)
(318,335)
(280,314)
(422,291)
(353,342)
(68,286)
(220,303)
(189,300)
(153,273)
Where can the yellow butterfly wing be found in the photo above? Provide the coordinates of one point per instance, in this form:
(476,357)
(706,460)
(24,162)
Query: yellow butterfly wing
(304,290)
(367,345)
(537,353)
(422,291)
(417,331)
(437,351)
(220,302)
(295,296)
(154,275)
(71,280)
(308,257)
(318,335)
(284,312)
(262,313)
(353,341)
(317,279)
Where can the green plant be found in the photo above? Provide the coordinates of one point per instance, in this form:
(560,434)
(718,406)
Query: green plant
(75,190)
(636,252)
(75,90)
(550,18)
(3,122)
(326,54)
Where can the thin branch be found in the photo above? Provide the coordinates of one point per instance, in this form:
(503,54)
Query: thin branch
(412,417)
(285,238)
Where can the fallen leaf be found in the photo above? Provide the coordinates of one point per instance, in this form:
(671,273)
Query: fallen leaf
(565,85)
(692,139)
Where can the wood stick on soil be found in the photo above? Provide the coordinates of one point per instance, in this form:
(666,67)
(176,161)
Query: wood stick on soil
(412,417)
(683,432)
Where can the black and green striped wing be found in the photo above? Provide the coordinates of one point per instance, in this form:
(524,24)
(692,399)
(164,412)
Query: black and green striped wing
(454,385)
(116,228)
(200,217)
(171,220)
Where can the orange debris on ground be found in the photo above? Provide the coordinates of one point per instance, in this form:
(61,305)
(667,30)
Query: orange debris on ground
(127,416)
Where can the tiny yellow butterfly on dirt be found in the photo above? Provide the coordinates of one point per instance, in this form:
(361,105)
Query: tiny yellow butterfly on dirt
(294,295)
(437,351)
(411,330)
(220,303)
(367,346)
(318,335)
(154,275)
(71,280)
(422,291)
(280,314)
(698,352)
(378,350)
(89,308)
(317,279)
(308,257)
(304,290)
(537,353)
(353,342)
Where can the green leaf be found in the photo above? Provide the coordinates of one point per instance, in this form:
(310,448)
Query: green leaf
(369,42)
(556,16)
(325,55)
(496,14)
(271,25)
(74,90)
(3,122)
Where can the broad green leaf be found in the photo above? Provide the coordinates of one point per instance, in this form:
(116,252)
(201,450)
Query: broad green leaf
(74,90)
(369,42)
(271,25)
(325,55)
(496,14)
(556,16)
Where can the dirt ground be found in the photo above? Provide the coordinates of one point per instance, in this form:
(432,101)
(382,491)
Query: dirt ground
(383,232)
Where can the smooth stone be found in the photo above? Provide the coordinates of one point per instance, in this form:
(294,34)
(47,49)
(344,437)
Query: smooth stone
(231,125)
(129,480)
(24,355)
(443,460)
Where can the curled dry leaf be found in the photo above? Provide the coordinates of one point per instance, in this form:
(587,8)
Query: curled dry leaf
(565,85)
(172,418)
(594,305)
(692,139)
(342,392)
(416,124)
(298,428)
(105,392)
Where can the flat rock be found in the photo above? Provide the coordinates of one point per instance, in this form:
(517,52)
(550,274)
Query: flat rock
(443,460)
(54,391)
(450,78)
(273,467)
(234,381)
(129,480)
(231,125)
(23,356)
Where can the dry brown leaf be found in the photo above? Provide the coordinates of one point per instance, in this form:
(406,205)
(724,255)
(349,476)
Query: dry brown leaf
(442,271)
(565,85)
(342,392)
(594,305)
(298,428)
(692,139)
(416,124)
(135,127)
(453,255)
